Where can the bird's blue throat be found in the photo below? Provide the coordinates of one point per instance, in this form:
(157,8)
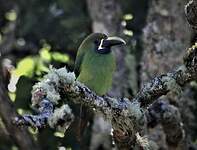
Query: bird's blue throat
(103,51)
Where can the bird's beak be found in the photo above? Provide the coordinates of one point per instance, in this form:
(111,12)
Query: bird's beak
(112,41)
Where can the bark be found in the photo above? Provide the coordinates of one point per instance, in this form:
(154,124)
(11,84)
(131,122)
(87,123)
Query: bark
(165,39)
(4,135)
(191,13)
(21,137)
(106,18)
(169,116)
(8,39)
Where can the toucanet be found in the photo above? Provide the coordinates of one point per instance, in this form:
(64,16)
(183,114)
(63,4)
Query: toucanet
(94,67)
(95,62)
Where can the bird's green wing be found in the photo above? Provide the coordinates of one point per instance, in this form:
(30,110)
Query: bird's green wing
(78,60)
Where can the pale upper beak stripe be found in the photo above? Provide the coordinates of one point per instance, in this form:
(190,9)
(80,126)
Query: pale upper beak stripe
(116,39)
(110,41)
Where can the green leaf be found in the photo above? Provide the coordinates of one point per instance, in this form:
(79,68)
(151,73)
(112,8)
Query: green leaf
(12,96)
(11,15)
(60,57)
(128,17)
(45,54)
(25,67)
(59,134)
(23,93)
(41,67)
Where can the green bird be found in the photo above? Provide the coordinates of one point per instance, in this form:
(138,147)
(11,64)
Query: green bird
(95,62)
(94,67)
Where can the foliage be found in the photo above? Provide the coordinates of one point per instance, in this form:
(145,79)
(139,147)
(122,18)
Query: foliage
(60,22)
(29,70)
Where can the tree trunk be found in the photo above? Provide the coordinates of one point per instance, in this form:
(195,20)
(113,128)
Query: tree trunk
(20,137)
(164,38)
(106,18)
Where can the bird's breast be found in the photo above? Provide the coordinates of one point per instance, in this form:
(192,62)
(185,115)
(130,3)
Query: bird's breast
(97,72)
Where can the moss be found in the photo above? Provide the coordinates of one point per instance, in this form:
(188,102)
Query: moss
(135,110)
(49,91)
(145,143)
(172,85)
(50,84)
(61,118)
(65,76)
(37,95)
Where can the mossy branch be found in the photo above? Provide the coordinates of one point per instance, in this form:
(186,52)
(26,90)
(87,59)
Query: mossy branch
(191,13)
(125,115)
(161,112)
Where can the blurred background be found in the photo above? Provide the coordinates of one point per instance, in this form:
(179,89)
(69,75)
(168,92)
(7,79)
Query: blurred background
(35,34)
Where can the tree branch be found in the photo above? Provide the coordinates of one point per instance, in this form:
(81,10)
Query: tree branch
(124,114)
(18,135)
(191,13)
(170,118)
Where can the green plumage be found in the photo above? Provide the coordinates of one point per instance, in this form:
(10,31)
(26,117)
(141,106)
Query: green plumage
(94,67)
(95,70)
(95,62)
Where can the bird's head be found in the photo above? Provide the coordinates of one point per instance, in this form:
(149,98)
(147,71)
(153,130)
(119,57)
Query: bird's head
(102,43)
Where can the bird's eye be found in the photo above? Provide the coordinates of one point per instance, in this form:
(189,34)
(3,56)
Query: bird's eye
(96,42)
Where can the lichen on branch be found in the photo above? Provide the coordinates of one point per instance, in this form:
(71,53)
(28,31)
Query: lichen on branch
(45,95)
(124,114)
(191,13)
